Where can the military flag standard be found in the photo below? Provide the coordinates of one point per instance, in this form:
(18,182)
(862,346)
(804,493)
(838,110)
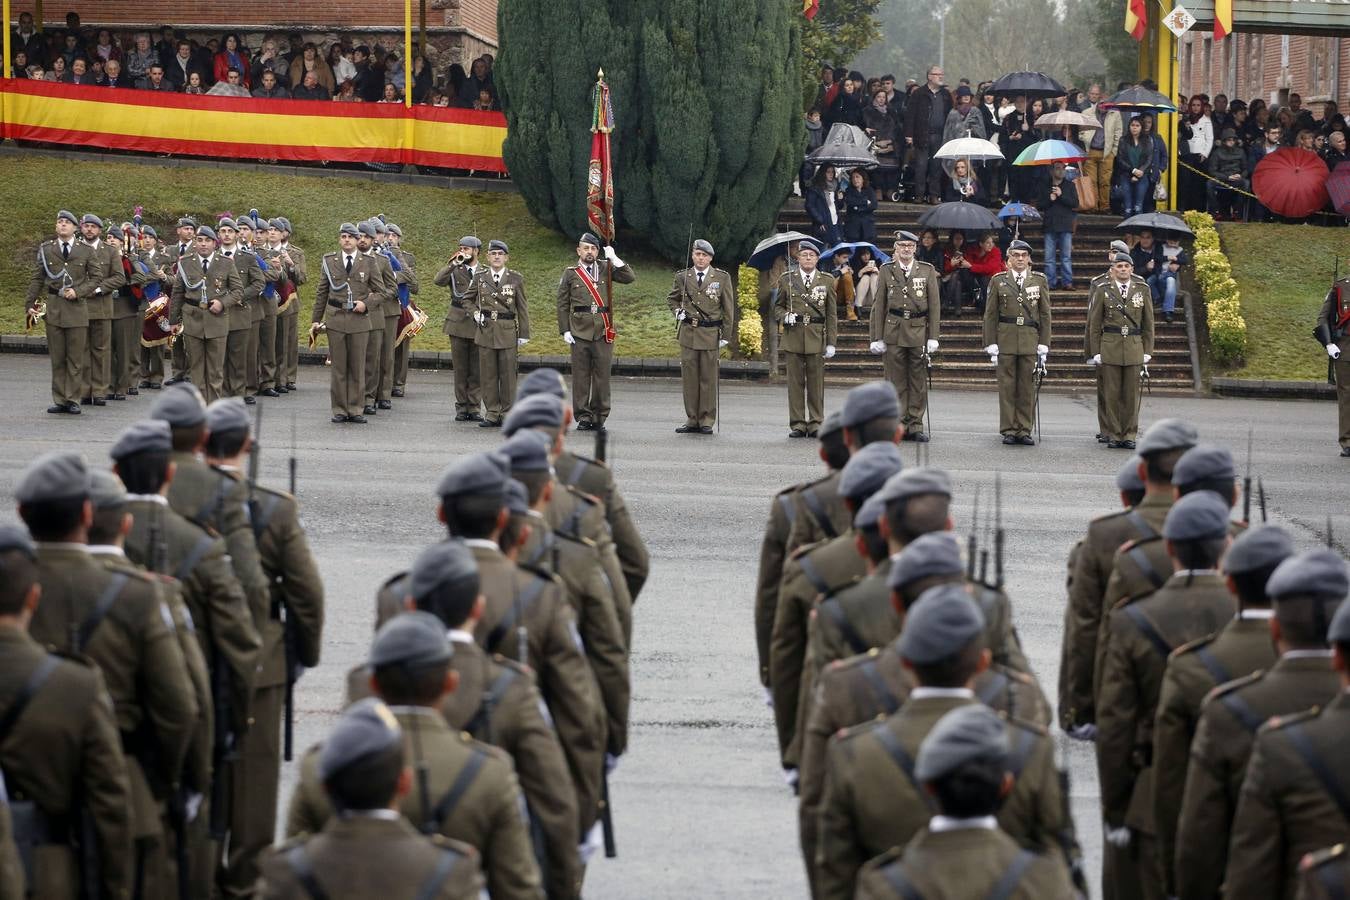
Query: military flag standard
(1136,18)
(600,180)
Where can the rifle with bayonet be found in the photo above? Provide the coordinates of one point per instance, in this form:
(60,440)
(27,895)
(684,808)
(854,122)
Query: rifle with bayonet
(289,635)
(1247,481)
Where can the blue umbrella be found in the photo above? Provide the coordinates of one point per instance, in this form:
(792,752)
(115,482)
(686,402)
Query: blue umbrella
(1019,209)
(877,253)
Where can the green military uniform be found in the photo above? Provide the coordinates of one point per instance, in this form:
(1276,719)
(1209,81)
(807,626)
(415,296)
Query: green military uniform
(782,511)
(1194,669)
(159,261)
(1324,874)
(965,862)
(288,314)
(485,811)
(1120,331)
(348,331)
(1087,353)
(382,307)
(126,327)
(871,802)
(819,514)
(595,479)
(12,882)
(407,274)
(905,316)
(1141,635)
(1335,317)
(1292,801)
(64,755)
(282,273)
(576,513)
(263,329)
(1224,736)
(497,299)
(67,319)
(580,313)
(241,317)
(704,306)
(367,856)
(1017,319)
(199,282)
(462,330)
(810,300)
(105,273)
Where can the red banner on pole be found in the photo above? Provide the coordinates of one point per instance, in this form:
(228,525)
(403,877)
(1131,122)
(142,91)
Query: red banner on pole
(600,178)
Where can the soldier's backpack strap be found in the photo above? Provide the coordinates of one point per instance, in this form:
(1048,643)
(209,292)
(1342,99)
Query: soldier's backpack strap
(813,574)
(789,508)
(1004,887)
(899,883)
(988,692)
(1242,711)
(1140,525)
(207,512)
(885,699)
(523,601)
(898,754)
(195,555)
(458,789)
(834,610)
(431,888)
(1296,736)
(1145,565)
(111,591)
(298,860)
(266,509)
(482,717)
(817,508)
(1216,669)
(34,683)
(578,469)
(1021,750)
(1148,630)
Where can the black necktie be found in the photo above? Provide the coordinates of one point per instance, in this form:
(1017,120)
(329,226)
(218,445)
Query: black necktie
(182,248)
(228,254)
(206,261)
(700,279)
(65,250)
(496,278)
(349,265)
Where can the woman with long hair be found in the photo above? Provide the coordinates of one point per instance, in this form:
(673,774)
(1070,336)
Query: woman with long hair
(963,185)
(309,60)
(930,251)
(232,56)
(820,207)
(860,206)
(1134,156)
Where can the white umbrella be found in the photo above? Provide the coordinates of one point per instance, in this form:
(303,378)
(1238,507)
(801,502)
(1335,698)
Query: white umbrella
(1065,117)
(969,148)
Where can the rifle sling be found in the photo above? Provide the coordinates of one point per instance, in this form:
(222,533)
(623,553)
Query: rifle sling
(298,860)
(1296,736)
(1149,631)
(835,611)
(458,788)
(111,591)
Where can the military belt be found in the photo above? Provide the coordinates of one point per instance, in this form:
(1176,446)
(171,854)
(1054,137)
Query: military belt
(903,313)
(494,316)
(707,323)
(811,320)
(1123,330)
(337,304)
(1024,321)
(597,310)
(55,292)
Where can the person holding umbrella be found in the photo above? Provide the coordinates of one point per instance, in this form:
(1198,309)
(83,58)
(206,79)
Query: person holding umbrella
(1120,344)
(1017,328)
(804,306)
(904,329)
(1101,146)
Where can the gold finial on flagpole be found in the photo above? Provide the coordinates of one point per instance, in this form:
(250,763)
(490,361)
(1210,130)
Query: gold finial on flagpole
(600,74)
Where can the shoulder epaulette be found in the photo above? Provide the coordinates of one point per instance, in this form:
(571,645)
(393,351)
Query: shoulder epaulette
(853,732)
(589,499)
(1274,723)
(539,572)
(1236,684)
(852,662)
(1138,542)
(508,663)
(1106,517)
(1191,646)
(574,538)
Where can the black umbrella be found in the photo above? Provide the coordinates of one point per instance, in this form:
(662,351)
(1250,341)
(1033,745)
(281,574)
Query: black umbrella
(1141,98)
(1156,221)
(847,147)
(960,217)
(1032,84)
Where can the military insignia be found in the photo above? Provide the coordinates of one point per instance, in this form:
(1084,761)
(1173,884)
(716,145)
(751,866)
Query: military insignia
(361,275)
(1137,301)
(508,291)
(818,292)
(712,288)
(594,309)
(920,286)
(1021,320)
(1124,331)
(1034,291)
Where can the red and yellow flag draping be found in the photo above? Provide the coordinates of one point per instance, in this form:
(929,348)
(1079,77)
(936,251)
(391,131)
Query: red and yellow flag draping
(1136,18)
(1223,18)
(810,8)
(238,127)
(600,177)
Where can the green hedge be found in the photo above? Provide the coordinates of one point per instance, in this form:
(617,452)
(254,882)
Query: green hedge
(1223,306)
(749,328)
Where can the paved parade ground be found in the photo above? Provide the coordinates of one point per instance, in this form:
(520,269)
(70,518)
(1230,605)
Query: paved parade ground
(699,802)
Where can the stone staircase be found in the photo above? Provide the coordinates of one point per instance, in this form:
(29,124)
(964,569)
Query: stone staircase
(961,361)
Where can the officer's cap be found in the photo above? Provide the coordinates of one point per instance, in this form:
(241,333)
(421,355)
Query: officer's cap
(227,222)
(869,514)
(15,537)
(1319,572)
(411,639)
(481,473)
(703,245)
(808,246)
(150,435)
(916,482)
(901,236)
(470,241)
(1121,258)
(1127,479)
(966,734)
(149,230)
(1203,462)
(528,450)
(106,490)
(536,410)
(366,228)
(394,229)
(187,222)
(496,244)
(1019,245)
(943,621)
(867,470)
(517,498)
(227,414)
(68,216)
(440,564)
(59,475)
(1339,632)
(832,424)
(91,219)
(1168,434)
(1199,516)
(1258,548)
(366,728)
(181,406)
(542,381)
(588,238)
(935,553)
(874,400)
(348,228)
(207,231)
(1119,246)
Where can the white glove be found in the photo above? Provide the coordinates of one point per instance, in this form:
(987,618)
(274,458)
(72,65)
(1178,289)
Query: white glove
(613,257)
(1083,732)
(478,317)
(1096,360)
(877,346)
(1147,358)
(932,346)
(680,315)
(992,349)
(721,344)
(568,339)
(790,319)
(829,351)
(521,342)
(1117,837)
(768,698)
(1042,350)
(790,779)
(592,843)
(1333,351)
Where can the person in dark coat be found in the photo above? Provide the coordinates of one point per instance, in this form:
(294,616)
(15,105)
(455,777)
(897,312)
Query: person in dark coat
(860,206)
(1134,158)
(1057,200)
(925,117)
(847,105)
(1017,134)
(880,123)
(821,209)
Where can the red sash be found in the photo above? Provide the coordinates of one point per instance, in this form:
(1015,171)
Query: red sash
(605,317)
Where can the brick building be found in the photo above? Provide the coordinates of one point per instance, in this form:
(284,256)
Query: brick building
(1247,66)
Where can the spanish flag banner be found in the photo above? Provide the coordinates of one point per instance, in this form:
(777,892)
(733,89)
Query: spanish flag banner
(810,8)
(242,128)
(1223,18)
(1136,18)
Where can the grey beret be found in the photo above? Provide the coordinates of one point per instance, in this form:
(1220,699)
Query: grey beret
(534,411)
(935,553)
(246,222)
(207,231)
(808,245)
(915,483)
(366,728)
(703,245)
(1168,434)
(282,223)
(1019,245)
(1203,462)
(151,435)
(941,622)
(149,230)
(906,236)
(181,406)
(527,450)
(1127,479)
(481,473)
(114,233)
(517,498)
(542,381)
(470,241)
(187,222)
(1320,572)
(394,229)
(106,489)
(831,425)
(869,514)
(411,639)
(874,400)
(68,216)
(588,238)
(1258,548)
(495,244)
(380,227)
(1119,247)
(227,414)
(15,537)
(438,565)
(227,222)
(91,219)
(1339,632)
(348,228)
(366,228)
(966,734)
(1121,258)
(58,475)
(867,470)
(1198,516)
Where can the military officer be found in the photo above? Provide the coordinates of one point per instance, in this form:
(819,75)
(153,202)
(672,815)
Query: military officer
(61,754)
(1293,799)
(1142,633)
(1333,330)
(366,852)
(1120,343)
(350,279)
(407,277)
(239,312)
(704,306)
(1242,647)
(105,273)
(1016,325)
(205,289)
(383,305)
(187,236)
(288,310)
(61,283)
(964,765)
(496,296)
(1303,678)
(158,261)
(586,321)
(804,307)
(1114,248)
(462,330)
(904,328)
(126,317)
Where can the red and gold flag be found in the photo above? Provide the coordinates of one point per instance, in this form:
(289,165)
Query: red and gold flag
(810,8)
(1223,18)
(600,178)
(1136,18)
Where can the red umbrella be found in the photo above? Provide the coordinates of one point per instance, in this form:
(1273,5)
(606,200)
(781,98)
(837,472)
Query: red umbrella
(1338,186)
(1291,182)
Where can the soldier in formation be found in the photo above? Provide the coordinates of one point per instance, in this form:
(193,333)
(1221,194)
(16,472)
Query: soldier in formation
(704,305)
(805,308)
(1017,339)
(904,329)
(1120,345)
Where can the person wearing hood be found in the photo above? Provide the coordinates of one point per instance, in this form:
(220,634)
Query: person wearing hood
(1227,164)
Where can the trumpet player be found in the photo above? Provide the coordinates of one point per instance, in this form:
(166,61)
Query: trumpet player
(347,279)
(57,295)
(458,274)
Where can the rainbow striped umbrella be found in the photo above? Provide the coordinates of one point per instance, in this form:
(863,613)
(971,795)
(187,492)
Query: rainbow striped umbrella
(1043,153)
